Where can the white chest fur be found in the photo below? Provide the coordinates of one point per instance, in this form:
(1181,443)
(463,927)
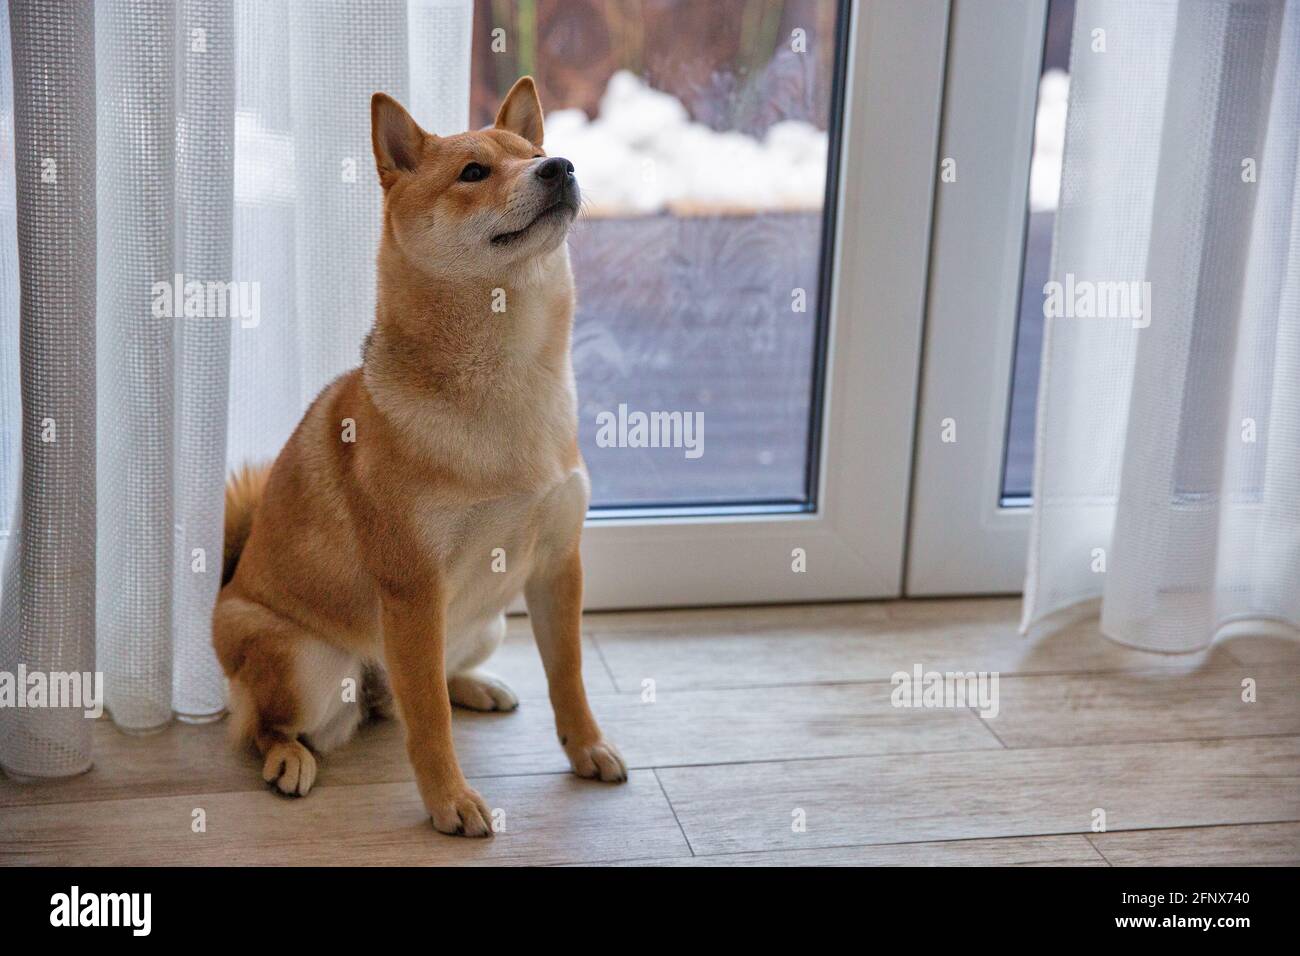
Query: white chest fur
(488,550)
(500,415)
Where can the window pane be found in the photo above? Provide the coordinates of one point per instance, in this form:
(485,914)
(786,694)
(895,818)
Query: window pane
(1044,188)
(700,134)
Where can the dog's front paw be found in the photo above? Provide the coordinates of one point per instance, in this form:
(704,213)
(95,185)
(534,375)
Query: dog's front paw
(597,761)
(459,812)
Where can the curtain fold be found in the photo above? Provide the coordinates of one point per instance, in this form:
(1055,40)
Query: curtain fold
(135,93)
(205,165)
(1168,434)
(200,265)
(47,608)
(307,202)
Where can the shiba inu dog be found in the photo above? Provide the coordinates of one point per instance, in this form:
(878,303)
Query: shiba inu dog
(424,490)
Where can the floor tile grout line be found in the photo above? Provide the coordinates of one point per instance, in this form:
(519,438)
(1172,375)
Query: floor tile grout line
(1096,849)
(958,750)
(525,773)
(1005,836)
(669,801)
(1144,740)
(701,766)
(1172,672)
(1087,837)
(609,671)
(903,843)
(864,846)
(989,727)
(1200,826)
(888,610)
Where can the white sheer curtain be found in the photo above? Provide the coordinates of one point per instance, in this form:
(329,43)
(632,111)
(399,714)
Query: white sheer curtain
(227,143)
(1168,455)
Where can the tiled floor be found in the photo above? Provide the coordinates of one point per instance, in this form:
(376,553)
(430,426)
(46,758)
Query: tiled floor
(759,736)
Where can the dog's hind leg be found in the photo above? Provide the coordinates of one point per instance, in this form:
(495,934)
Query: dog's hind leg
(287,689)
(469,685)
(287,764)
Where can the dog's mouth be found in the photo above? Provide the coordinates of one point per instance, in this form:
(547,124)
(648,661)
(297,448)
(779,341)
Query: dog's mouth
(556,210)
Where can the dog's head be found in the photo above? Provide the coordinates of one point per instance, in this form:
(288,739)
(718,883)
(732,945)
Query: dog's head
(468,205)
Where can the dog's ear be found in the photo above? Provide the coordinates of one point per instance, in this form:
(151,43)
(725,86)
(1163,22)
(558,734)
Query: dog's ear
(397,139)
(521,111)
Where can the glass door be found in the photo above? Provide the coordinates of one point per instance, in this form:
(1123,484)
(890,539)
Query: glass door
(1002,143)
(750,270)
(702,135)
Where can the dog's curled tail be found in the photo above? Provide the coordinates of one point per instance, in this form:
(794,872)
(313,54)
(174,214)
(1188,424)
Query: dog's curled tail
(244,492)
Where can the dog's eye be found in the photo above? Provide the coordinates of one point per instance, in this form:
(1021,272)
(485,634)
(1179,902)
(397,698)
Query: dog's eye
(473,173)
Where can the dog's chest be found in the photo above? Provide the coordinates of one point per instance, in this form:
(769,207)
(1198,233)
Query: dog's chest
(486,551)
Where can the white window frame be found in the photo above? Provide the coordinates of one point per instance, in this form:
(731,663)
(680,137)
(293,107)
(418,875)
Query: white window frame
(962,540)
(855,541)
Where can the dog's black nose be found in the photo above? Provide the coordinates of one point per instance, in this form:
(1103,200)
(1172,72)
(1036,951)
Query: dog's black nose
(557,167)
